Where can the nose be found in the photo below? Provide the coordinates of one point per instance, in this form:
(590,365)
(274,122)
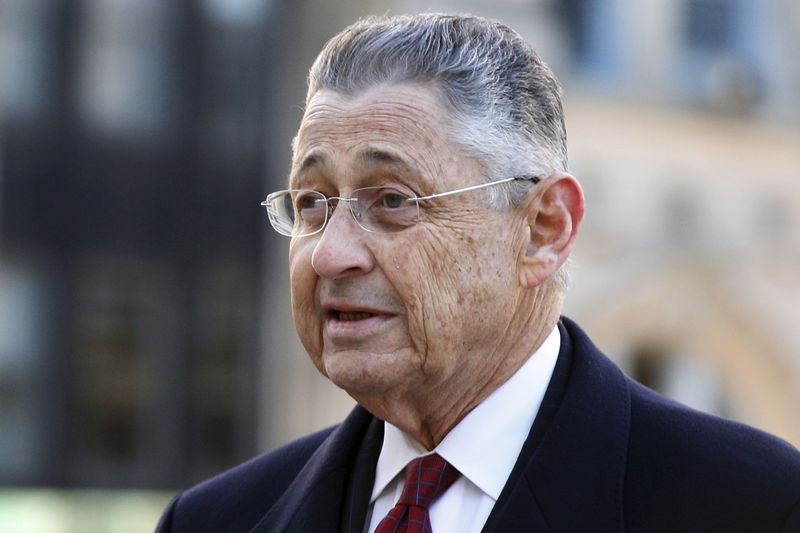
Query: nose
(340,250)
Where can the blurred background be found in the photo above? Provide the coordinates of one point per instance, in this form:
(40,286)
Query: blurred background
(145,332)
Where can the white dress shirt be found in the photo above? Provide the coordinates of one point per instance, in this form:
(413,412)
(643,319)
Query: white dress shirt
(484,447)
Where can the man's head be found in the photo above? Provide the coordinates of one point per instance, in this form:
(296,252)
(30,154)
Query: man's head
(422,320)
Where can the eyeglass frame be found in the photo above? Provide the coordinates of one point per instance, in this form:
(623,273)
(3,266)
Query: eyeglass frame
(330,207)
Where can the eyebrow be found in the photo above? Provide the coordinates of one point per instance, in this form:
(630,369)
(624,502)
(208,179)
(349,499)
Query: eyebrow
(311,160)
(369,157)
(379,156)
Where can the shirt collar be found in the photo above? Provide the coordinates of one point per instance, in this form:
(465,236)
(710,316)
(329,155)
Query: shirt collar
(485,445)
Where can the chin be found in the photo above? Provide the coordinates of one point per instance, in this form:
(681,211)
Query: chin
(362,373)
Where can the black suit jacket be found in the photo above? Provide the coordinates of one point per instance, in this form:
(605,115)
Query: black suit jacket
(604,454)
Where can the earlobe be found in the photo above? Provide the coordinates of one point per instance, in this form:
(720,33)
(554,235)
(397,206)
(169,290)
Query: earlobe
(554,212)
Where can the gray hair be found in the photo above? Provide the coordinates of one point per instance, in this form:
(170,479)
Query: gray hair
(505,102)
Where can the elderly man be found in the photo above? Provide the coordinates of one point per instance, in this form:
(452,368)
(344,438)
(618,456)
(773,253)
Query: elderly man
(431,216)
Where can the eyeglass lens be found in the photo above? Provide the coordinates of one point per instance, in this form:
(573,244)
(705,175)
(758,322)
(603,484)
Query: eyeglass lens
(375,209)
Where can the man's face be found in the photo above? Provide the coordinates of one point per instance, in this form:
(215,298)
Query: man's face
(416,311)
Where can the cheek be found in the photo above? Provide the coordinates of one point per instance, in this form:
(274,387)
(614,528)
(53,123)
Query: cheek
(303,286)
(408,271)
(433,283)
(456,287)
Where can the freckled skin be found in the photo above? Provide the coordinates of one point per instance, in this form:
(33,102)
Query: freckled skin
(462,323)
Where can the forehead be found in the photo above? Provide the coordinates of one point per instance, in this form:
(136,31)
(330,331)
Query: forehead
(399,125)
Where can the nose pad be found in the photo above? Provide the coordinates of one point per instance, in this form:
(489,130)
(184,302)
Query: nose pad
(357,215)
(357,208)
(332,203)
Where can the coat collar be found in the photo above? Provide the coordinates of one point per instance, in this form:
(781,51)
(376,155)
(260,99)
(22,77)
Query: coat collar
(314,500)
(570,474)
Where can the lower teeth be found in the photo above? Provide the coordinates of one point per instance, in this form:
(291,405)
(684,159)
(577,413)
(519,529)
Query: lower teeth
(354,316)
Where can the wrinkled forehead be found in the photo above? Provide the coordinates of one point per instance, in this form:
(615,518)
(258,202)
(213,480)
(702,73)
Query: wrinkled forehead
(396,124)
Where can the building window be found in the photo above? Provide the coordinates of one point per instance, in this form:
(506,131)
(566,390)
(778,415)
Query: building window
(25,68)
(685,378)
(722,64)
(595,42)
(123,65)
(710,24)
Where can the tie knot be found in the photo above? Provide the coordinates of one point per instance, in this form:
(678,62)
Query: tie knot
(426,478)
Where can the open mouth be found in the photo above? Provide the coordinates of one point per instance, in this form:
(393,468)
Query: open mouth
(351,316)
(352,325)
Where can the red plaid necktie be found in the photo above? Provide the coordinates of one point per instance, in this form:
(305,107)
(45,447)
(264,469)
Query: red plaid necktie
(427,477)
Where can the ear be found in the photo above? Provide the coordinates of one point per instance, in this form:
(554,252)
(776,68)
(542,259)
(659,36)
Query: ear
(554,212)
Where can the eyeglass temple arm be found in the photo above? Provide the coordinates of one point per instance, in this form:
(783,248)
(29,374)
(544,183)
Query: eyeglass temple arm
(532,179)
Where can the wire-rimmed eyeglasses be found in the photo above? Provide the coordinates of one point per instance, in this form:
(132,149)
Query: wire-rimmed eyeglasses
(383,209)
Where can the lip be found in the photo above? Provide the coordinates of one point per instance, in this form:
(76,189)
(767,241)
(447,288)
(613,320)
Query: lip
(349,329)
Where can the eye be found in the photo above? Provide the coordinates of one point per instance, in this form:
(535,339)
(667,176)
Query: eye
(392,200)
(307,201)
(385,209)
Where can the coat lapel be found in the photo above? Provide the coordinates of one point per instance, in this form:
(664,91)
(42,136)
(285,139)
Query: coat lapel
(362,478)
(520,512)
(570,474)
(314,501)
